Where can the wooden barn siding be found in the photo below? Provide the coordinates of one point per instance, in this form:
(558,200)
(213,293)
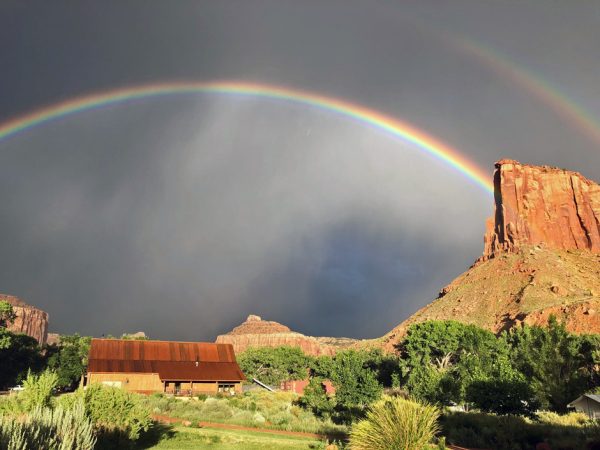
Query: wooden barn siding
(149,382)
(199,387)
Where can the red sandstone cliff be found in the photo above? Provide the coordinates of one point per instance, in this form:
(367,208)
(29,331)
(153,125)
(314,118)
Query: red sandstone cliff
(542,205)
(541,257)
(30,320)
(255,332)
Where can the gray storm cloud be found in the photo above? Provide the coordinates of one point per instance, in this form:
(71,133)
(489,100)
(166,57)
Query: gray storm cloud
(181,215)
(231,207)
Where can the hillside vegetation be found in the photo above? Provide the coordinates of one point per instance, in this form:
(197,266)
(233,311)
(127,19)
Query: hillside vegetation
(526,286)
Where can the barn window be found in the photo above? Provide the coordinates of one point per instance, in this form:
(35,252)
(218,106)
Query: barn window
(227,388)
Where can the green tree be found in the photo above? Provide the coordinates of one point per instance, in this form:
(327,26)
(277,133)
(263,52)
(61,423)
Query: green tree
(7,314)
(503,396)
(356,385)
(315,398)
(321,367)
(440,359)
(560,365)
(69,359)
(18,354)
(274,365)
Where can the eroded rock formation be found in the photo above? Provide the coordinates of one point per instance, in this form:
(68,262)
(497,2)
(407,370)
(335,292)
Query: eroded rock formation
(542,205)
(255,332)
(541,257)
(30,320)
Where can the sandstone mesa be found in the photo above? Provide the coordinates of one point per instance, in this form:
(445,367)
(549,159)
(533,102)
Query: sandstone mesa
(541,257)
(255,332)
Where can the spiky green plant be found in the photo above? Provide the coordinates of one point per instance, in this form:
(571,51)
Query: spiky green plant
(394,423)
(51,429)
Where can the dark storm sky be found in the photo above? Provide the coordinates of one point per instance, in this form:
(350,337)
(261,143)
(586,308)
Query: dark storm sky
(179,216)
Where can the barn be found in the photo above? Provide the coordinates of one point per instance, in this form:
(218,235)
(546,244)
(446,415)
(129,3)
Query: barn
(180,368)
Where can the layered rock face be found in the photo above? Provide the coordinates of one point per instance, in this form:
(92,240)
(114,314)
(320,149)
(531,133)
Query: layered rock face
(541,257)
(542,205)
(30,320)
(255,332)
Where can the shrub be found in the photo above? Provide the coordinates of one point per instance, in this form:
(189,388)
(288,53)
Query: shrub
(509,396)
(478,430)
(252,409)
(395,423)
(45,428)
(38,390)
(315,398)
(573,419)
(117,412)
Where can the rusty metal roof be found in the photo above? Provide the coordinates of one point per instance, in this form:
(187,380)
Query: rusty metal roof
(171,370)
(191,361)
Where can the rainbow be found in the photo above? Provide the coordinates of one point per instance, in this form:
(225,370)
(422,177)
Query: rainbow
(388,124)
(558,101)
(506,69)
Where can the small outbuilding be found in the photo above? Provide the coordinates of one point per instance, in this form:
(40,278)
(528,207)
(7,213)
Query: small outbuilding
(180,368)
(588,404)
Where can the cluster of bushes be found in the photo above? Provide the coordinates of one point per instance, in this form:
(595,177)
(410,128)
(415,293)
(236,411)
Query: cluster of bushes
(258,409)
(48,428)
(480,430)
(506,379)
(34,418)
(358,377)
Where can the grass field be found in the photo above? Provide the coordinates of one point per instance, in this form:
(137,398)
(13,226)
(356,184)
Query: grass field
(215,439)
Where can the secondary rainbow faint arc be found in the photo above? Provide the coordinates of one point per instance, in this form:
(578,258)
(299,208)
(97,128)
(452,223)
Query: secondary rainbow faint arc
(560,103)
(389,124)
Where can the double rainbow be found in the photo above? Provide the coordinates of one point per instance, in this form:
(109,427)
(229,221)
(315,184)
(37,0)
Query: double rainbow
(388,124)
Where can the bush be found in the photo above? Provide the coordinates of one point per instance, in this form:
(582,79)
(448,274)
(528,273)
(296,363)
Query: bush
(253,409)
(38,390)
(510,396)
(45,428)
(117,414)
(395,423)
(315,399)
(478,430)
(573,419)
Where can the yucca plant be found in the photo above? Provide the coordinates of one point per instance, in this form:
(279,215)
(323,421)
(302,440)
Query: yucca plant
(394,423)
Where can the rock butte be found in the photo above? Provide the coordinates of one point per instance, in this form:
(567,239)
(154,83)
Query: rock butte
(542,205)
(255,332)
(541,257)
(30,320)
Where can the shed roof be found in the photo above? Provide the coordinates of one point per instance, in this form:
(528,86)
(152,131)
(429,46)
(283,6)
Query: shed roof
(594,397)
(192,361)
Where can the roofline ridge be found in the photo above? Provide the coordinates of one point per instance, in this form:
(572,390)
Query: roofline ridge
(160,340)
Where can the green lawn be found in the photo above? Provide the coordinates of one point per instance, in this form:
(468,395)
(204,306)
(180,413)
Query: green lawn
(217,439)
